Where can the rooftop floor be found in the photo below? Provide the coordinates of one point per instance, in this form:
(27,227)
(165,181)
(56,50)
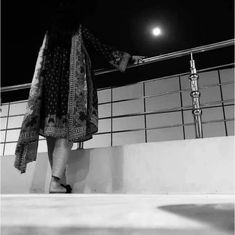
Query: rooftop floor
(117,214)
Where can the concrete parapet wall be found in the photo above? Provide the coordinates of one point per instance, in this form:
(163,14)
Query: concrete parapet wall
(196,166)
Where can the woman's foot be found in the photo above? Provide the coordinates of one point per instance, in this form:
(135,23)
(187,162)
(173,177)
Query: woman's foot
(68,188)
(64,184)
(63,178)
(56,187)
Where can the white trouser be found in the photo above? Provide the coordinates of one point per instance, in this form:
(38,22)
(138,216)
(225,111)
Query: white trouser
(58,152)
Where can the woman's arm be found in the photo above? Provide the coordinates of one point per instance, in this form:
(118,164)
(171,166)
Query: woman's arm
(119,59)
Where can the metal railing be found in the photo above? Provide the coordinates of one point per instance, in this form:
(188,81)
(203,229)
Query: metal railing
(148,60)
(195,93)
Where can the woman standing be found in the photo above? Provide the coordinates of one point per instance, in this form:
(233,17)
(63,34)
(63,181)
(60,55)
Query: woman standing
(62,104)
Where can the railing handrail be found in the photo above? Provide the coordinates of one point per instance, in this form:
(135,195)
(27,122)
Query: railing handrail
(176,54)
(194,50)
(149,60)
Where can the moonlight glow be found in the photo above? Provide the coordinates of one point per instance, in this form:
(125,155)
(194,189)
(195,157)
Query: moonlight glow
(156,31)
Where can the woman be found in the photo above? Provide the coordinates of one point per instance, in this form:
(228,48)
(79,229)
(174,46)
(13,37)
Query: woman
(62,104)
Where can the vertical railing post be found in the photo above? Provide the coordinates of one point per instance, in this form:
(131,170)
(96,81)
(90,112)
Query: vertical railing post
(80,145)
(195,94)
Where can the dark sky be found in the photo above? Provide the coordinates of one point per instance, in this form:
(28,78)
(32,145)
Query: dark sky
(125,24)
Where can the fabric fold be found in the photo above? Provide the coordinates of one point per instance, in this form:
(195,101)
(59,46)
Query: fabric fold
(26,148)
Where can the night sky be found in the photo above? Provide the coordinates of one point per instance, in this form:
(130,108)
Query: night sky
(124,24)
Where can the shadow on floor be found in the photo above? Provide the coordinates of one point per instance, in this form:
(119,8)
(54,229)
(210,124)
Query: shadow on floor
(218,216)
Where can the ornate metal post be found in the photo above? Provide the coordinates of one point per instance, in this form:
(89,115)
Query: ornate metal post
(195,94)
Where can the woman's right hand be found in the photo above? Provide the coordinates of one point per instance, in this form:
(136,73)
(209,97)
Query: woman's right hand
(138,59)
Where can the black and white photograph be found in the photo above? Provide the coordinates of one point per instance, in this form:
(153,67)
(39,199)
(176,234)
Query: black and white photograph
(117,117)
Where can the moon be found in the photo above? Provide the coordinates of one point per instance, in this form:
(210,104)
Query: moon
(156,31)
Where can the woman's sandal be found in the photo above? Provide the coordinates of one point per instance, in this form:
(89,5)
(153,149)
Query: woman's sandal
(68,188)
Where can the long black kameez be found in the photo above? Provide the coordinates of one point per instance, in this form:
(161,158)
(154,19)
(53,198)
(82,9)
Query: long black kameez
(63,97)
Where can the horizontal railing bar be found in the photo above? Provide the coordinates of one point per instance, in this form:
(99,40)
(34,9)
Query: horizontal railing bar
(164,127)
(150,96)
(166,93)
(177,54)
(205,105)
(170,126)
(149,128)
(11,129)
(216,84)
(173,76)
(217,67)
(15,102)
(194,50)
(16,87)
(14,115)
(13,142)
(149,60)
(177,109)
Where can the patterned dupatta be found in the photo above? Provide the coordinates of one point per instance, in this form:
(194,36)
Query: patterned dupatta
(82,100)
(26,149)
